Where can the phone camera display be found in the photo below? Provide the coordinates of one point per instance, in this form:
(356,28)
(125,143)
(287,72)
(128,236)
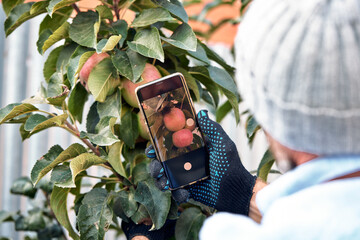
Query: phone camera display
(172,124)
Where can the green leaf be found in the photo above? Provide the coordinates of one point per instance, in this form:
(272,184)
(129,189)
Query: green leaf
(202,75)
(55,85)
(58,203)
(151,16)
(6,216)
(8,5)
(83,162)
(80,53)
(228,86)
(189,224)
(265,165)
(183,37)
(59,100)
(15,109)
(23,133)
(140,172)
(114,158)
(215,57)
(20,119)
(251,126)
(50,64)
(56,20)
(147,43)
(92,118)
(162,70)
(129,129)
(111,107)
(103,137)
(199,54)
(120,27)
(106,45)
(190,80)
(174,210)
(175,8)
(57,4)
(133,155)
(84,28)
(43,162)
(34,120)
(61,175)
(39,126)
(223,79)
(104,12)
(77,100)
(38,6)
(48,38)
(130,64)
(65,56)
(55,156)
(222,111)
(45,185)
(19,15)
(156,202)
(126,201)
(102,81)
(140,214)
(23,186)
(95,215)
(234,101)
(35,221)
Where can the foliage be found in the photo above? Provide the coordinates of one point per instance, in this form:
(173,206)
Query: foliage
(40,218)
(159,35)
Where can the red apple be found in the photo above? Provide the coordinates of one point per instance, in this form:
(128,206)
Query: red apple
(190,124)
(182,138)
(128,92)
(174,120)
(142,127)
(89,65)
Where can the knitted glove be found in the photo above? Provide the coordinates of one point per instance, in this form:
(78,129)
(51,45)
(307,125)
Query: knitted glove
(132,230)
(229,187)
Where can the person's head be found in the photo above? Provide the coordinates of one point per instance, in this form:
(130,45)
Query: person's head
(298,67)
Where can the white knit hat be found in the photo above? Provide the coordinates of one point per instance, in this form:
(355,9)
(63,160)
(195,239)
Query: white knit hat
(298,68)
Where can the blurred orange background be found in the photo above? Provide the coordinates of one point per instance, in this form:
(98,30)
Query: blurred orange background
(225,34)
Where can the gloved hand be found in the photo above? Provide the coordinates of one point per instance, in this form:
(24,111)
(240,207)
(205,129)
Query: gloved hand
(132,230)
(229,187)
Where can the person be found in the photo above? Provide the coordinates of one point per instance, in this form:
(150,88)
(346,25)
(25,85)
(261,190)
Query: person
(298,64)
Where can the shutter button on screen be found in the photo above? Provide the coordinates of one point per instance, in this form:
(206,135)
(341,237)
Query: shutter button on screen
(187,166)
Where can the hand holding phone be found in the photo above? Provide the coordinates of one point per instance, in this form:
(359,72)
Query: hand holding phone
(173,128)
(229,187)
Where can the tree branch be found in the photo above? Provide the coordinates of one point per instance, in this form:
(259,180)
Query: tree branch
(77,9)
(92,147)
(116,9)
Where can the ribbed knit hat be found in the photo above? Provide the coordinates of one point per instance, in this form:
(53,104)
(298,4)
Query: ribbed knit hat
(298,67)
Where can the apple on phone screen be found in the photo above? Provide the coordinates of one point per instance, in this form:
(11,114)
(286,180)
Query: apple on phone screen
(174,131)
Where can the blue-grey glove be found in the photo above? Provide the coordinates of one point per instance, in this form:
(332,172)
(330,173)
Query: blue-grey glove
(229,187)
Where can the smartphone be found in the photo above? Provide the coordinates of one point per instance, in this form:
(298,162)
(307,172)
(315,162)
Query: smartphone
(174,130)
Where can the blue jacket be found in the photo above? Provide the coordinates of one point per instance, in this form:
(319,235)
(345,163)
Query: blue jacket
(302,204)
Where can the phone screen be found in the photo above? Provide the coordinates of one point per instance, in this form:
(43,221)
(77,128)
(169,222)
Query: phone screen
(171,118)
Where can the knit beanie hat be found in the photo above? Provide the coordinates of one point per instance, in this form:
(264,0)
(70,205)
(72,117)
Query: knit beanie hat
(298,67)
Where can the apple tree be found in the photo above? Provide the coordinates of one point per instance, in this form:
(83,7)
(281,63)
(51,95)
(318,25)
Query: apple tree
(96,56)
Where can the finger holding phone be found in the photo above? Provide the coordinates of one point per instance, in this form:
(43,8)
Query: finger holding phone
(210,173)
